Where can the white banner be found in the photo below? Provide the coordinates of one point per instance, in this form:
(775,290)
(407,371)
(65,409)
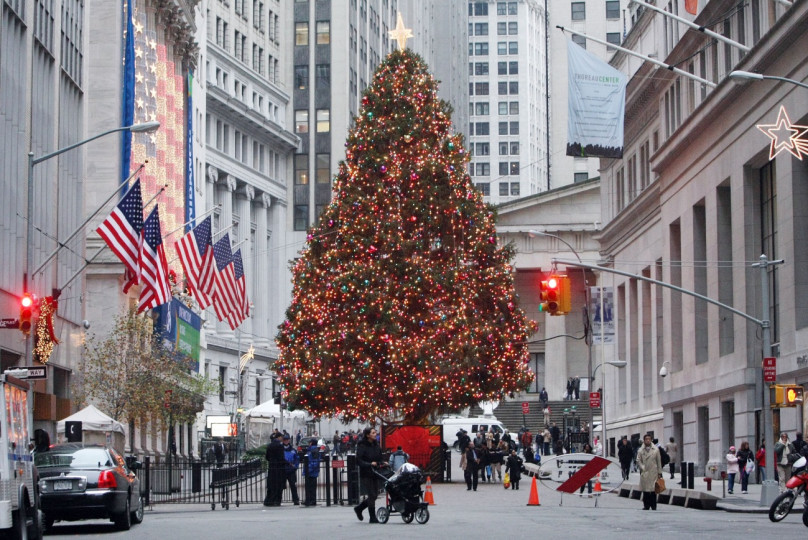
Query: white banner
(602,330)
(597,106)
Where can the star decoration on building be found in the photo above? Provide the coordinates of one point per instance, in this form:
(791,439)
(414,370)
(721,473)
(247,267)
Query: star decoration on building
(400,34)
(785,136)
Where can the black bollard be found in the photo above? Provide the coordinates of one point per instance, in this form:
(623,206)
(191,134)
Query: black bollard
(683,472)
(690,469)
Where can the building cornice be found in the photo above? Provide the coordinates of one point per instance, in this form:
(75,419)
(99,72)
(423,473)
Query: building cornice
(177,18)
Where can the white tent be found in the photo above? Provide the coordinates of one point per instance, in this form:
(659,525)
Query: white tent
(96,427)
(264,418)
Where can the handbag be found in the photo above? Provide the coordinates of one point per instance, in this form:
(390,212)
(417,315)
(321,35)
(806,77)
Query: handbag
(750,466)
(659,486)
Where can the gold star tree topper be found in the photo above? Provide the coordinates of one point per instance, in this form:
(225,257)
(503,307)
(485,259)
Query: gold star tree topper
(400,34)
(785,136)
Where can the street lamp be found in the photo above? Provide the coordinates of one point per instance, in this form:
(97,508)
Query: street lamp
(618,364)
(146,127)
(749,76)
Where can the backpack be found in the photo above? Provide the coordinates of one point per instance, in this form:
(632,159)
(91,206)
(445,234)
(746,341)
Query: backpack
(664,455)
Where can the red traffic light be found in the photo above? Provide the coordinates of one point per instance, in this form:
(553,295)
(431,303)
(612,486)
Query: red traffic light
(552,283)
(27,301)
(26,313)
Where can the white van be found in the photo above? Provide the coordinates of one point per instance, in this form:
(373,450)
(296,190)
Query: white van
(472,425)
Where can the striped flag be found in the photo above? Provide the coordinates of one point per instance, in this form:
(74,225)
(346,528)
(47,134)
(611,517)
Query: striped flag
(225,296)
(241,286)
(692,6)
(195,251)
(155,290)
(122,229)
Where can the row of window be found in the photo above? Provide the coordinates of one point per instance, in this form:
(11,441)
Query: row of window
(612,37)
(504,108)
(322,116)
(221,78)
(578,10)
(322,169)
(505,128)
(322,73)
(480,9)
(503,48)
(242,147)
(505,189)
(503,28)
(258,61)
(503,68)
(504,88)
(322,32)
(484,169)
(484,148)
(258,20)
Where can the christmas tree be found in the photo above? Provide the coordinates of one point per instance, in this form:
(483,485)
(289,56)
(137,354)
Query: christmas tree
(403,302)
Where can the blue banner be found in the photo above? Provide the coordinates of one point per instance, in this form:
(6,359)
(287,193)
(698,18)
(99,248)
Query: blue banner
(128,98)
(190,199)
(179,329)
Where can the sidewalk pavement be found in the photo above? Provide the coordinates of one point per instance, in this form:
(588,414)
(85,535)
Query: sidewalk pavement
(737,502)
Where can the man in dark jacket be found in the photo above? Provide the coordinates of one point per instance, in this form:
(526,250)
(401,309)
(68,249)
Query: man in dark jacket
(625,453)
(368,457)
(473,460)
(292,462)
(276,471)
(513,466)
(311,472)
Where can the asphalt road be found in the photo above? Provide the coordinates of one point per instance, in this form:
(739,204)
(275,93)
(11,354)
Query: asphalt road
(487,513)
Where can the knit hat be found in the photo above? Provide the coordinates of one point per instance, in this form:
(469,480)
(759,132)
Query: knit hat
(731,448)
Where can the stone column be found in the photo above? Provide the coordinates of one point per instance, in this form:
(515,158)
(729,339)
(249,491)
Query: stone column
(243,206)
(224,189)
(259,266)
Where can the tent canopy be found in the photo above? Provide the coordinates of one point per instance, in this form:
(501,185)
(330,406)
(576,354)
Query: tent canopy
(92,420)
(264,418)
(270,409)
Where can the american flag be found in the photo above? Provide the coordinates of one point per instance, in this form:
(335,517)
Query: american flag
(225,297)
(195,251)
(241,286)
(155,290)
(122,228)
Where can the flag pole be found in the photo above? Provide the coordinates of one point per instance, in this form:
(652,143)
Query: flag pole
(191,221)
(87,262)
(86,221)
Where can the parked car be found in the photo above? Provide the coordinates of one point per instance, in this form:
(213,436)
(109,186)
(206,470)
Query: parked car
(306,441)
(79,481)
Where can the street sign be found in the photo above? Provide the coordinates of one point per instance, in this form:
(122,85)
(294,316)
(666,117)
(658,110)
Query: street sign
(594,400)
(769,370)
(337,464)
(9,323)
(525,407)
(29,372)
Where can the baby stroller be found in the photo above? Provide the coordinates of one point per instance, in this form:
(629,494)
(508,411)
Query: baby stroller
(403,493)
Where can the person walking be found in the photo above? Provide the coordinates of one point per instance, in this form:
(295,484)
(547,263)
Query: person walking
(544,398)
(472,467)
(312,472)
(732,468)
(625,454)
(546,415)
(496,458)
(336,441)
(369,457)
(398,458)
(781,451)
(587,450)
(513,467)
(760,457)
(547,439)
(276,465)
(650,464)
(745,459)
(673,452)
(292,459)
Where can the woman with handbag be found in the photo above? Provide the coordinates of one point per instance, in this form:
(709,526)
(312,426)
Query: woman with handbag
(782,450)
(650,464)
(732,468)
(747,464)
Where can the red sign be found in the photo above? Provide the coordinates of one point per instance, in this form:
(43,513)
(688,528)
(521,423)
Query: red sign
(525,407)
(337,464)
(594,400)
(769,370)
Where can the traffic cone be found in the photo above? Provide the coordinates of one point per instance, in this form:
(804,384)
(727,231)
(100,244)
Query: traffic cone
(533,500)
(597,484)
(428,498)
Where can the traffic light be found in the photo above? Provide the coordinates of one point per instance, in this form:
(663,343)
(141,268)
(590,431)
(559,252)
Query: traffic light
(26,313)
(548,295)
(786,395)
(564,295)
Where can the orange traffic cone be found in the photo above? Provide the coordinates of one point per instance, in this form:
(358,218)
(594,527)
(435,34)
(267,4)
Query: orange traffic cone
(428,498)
(533,500)
(597,484)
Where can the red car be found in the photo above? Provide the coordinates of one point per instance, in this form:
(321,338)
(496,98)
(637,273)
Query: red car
(79,481)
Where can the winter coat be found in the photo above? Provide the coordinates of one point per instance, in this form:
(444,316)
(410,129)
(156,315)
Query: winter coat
(291,457)
(313,468)
(673,451)
(625,454)
(650,463)
(513,466)
(743,457)
(366,453)
(732,464)
(779,450)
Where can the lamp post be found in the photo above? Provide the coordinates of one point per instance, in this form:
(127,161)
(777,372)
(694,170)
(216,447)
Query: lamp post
(749,76)
(617,364)
(146,127)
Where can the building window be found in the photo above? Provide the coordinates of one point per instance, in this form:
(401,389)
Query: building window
(302,33)
(481,49)
(513,68)
(503,149)
(502,28)
(502,8)
(502,68)
(483,169)
(514,128)
(481,88)
(514,168)
(502,88)
(579,40)
(512,8)
(301,77)
(612,9)
(301,217)
(301,169)
(503,107)
(503,189)
(513,88)
(301,121)
(480,29)
(513,47)
(515,189)
(514,148)
(323,120)
(580,177)
(481,109)
(502,47)
(483,149)
(481,68)
(503,128)
(579,11)
(513,28)
(482,128)
(323,168)
(514,107)
(503,168)
(323,75)
(323,32)
(481,8)
(613,38)
(485,188)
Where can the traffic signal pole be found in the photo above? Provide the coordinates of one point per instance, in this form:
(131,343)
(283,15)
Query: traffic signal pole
(770,489)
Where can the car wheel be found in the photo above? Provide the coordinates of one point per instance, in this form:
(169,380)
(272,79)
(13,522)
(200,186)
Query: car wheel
(19,529)
(137,515)
(123,522)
